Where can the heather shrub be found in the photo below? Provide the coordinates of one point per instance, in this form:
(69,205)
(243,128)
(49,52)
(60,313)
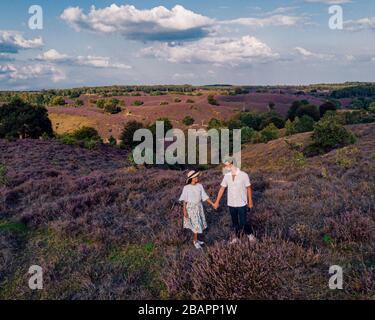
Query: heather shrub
(252,271)
(351,226)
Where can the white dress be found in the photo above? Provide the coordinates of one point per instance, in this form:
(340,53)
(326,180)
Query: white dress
(193,195)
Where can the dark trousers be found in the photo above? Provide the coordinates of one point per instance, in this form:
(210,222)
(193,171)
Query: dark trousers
(239,220)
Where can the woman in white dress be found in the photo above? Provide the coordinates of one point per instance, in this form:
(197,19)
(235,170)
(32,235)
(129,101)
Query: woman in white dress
(192,197)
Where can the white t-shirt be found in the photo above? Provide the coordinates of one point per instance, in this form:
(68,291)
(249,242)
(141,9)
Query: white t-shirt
(194,193)
(237,189)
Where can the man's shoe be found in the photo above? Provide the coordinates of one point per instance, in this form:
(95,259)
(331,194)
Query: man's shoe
(197,245)
(201,243)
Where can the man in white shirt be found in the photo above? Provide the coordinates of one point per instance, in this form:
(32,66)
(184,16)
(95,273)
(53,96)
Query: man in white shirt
(239,197)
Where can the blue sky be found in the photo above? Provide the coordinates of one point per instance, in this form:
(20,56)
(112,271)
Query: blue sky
(179,42)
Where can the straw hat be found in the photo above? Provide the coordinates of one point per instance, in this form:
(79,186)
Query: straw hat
(192,174)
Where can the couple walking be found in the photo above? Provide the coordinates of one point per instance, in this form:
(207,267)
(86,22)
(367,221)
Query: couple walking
(239,200)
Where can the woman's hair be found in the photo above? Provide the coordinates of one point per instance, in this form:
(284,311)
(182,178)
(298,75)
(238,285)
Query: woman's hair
(189,181)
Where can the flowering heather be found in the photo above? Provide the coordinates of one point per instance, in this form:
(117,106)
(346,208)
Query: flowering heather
(104,230)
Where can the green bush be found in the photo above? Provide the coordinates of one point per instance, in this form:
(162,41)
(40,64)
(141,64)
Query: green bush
(112,141)
(58,101)
(211,100)
(215,123)
(85,137)
(269,133)
(247,134)
(272,117)
(19,119)
(292,112)
(3,175)
(177,100)
(329,133)
(190,101)
(188,121)
(327,106)
(128,133)
(308,110)
(299,125)
(138,103)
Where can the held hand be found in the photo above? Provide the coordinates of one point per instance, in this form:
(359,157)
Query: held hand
(216,206)
(250,205)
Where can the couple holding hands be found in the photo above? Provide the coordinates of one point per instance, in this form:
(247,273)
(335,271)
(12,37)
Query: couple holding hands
(239,200)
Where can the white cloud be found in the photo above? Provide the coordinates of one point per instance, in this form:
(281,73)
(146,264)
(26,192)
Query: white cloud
(158,23)
(91,61)
(218,51)
(274,20)
(329,1)
(13,41)
(360,24)
(308,54)
(16,73)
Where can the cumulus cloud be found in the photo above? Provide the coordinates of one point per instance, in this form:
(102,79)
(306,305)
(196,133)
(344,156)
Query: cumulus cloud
(91,61)
(158,23)
(15,73)
(308,54)
(218,51)
(360,24)
(13,41)
(274,20)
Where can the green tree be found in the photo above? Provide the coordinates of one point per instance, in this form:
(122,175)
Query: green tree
(215,124)
(327,106)
(303,124)
(128,133)
(58,101)
(308,110)
(329,133)
(188,121)
(292,112)
(269,133)
(19,119)
(247,134)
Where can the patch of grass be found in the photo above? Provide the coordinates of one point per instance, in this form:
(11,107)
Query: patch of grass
(13,226)
(3,175)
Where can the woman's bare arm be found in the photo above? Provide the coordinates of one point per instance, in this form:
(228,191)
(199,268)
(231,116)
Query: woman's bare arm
(185,210)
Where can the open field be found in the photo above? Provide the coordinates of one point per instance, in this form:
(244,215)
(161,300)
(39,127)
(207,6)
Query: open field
(104,230)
